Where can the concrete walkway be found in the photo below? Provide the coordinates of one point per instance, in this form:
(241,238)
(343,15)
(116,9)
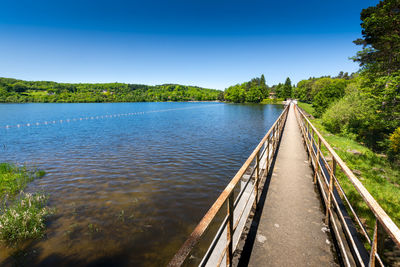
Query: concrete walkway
(290,231)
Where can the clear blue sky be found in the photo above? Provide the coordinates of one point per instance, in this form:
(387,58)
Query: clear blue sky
(210,43)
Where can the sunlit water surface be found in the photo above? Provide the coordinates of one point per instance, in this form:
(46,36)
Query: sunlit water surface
(128,188)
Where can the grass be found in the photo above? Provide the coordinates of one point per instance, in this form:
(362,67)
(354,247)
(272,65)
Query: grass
(36,93)
(272,101)
(376,173)
(13,179)
(22,215)
(306,107)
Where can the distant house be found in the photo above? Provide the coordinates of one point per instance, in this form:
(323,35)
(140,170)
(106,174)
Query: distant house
(272,95)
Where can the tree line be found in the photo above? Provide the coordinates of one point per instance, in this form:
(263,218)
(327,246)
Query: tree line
(366,105)
(257,90)
(19,91)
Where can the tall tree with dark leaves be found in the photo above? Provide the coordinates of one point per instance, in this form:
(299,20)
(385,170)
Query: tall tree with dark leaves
(381,38)
(287,89)
(264,87)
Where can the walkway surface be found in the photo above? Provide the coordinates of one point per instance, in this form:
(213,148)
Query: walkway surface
(291,231)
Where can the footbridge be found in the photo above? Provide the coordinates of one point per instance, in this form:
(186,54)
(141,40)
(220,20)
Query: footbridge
(286,207)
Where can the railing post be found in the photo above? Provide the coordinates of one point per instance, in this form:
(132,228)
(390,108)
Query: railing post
(257,176)
(377,245)
(317,159)
(374,245)
(330,192)
(229,231)
(267,160)
(273,140)
(307,129)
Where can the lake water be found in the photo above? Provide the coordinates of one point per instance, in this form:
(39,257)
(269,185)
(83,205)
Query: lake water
(129,181)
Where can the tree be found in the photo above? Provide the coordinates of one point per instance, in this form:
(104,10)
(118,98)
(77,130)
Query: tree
(381,38)
(279,90)
(287,89)
(235,94)
(254,95)
(303,90)
(19,87)
(264,87)
(328,94)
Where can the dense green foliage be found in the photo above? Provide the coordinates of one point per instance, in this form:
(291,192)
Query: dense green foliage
(256,91)
(381,38)
(375,172)
(286,89)
(22,215)
(18,91)
(321,92)
(364,106)
(283,90)
(394,147)
(253,91)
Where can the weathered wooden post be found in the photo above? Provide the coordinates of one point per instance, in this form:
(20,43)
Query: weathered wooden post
(377,245)
(267,160)
(229,231)
(317,160)
(257,176)
(330,192)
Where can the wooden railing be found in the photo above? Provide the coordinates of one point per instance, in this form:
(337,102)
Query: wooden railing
(347,225)
(238,203)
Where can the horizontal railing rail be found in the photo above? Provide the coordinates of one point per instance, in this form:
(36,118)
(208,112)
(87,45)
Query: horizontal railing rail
(254,169)
(340,213)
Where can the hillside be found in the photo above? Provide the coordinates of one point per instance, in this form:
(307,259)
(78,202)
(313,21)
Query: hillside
(19,91)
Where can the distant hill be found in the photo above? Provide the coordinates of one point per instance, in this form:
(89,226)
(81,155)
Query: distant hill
(19,91)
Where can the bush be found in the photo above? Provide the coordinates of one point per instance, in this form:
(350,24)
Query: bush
(395,141)
(355,115)
(24,219)
(333,90)
(394,146)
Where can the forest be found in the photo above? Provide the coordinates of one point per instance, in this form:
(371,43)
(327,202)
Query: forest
(19,91)
(365,106)
(256,90)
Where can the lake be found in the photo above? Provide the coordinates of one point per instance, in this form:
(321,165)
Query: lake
(129,181)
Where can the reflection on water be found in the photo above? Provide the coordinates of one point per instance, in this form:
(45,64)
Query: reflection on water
(128,190)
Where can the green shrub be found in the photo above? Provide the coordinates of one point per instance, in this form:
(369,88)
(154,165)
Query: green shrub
(24,219)
(395,141)
(13,179)
(355,115)
(394,146)
(330,91)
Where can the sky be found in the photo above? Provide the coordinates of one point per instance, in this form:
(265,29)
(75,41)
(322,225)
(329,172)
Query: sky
(208,43)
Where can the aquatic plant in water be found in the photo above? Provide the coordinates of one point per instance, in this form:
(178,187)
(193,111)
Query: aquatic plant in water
(23,215)
(13,179)
(24,218)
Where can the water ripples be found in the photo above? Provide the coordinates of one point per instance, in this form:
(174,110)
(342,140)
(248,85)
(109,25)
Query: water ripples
(143,181)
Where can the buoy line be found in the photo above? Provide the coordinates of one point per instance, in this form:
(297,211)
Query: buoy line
(98,117)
